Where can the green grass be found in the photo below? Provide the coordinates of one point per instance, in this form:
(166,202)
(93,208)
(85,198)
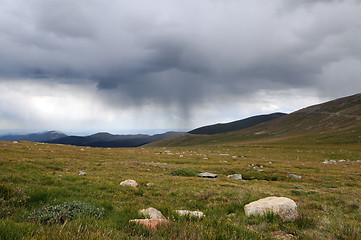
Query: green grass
(46,176)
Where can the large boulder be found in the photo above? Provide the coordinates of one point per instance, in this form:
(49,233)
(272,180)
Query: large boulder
(129,182)
(152,213)
(207,175)
(284,207)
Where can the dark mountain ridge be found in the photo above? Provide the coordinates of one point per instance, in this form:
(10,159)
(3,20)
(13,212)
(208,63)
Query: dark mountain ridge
(110,140)
(236,125)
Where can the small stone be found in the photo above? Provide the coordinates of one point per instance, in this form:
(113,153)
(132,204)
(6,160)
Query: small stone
(15,142)
(236,176)
(152,213)
(286,208)
(150,184)
(294,176)
(129,182)
(280,235)
(207,175)
(82,172)
(150,223)
(197,214)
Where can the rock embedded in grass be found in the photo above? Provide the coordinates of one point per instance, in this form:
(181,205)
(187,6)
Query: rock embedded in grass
(82,172)
(150,223)
(152,213)
(207,175)
(294,176)
(197,214)
(236,176)
(129,182)
(284,207)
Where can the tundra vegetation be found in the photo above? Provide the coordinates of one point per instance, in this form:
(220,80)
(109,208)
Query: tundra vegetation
(42,195)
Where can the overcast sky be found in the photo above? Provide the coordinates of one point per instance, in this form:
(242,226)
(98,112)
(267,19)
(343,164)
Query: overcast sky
(118,66)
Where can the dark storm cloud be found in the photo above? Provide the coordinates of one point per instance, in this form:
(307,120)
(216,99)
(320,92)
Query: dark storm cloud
(180,52)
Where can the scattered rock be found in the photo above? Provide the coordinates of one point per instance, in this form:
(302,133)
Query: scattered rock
(129,182)
(329,161)
(197,214)
(15,142)
(280,235)
(150,223)
(207,175)
(224,154)
(152,213)
(294,176)
(150,184)
(286,208)
(236,176)
(82,172)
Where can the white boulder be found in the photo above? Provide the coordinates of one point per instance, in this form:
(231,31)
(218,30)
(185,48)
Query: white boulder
(197,214)
(152,213)
(129,182)
(236,176)
(284,207)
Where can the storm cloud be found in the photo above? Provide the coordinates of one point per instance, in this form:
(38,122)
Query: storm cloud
(183,53)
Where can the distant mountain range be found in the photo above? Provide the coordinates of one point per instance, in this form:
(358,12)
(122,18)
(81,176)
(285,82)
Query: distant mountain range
(95,140)
(236,125)
(110,140)
(34,137)
(337,121)
(104,139)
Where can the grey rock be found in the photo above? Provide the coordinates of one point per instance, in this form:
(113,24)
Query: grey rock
(236,176)
(152,213)
(197,214)
(129,182)
(82,172)
(294,176)
(207,175)
(284,207)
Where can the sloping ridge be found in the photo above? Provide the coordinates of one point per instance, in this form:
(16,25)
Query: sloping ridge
(34,137)
(236,125)
(336,121)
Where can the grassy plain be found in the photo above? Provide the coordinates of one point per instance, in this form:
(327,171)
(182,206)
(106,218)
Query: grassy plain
(34,175)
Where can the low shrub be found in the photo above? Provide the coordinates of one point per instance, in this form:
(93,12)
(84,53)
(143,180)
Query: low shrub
(185,172)
(66,211)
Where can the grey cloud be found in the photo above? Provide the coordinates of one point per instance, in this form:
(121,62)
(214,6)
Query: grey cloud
(178,52)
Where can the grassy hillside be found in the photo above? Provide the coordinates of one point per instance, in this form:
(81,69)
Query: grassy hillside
(236,125)
(337,121)
(34,176)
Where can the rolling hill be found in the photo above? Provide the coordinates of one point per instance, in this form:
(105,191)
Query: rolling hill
(236,125)
(336,121)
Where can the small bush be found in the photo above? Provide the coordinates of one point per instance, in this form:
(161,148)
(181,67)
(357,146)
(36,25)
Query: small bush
(186,172)
(66,211)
